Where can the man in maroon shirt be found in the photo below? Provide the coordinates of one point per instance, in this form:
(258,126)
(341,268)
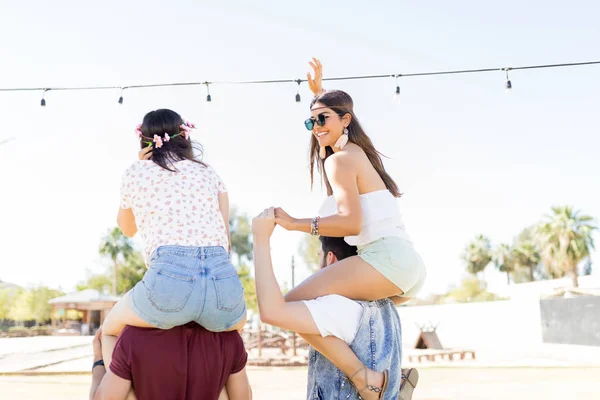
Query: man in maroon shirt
(185,362)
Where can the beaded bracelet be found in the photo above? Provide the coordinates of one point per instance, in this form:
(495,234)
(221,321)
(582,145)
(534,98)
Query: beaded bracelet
(314,226)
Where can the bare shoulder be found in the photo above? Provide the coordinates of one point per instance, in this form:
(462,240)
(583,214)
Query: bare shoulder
(350,158)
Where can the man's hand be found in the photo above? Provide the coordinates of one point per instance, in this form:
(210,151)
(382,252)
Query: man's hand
(264,224)
(145,153)
(97,345)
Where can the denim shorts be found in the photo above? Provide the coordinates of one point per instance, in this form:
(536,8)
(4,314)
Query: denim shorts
(185,284)
(398,261)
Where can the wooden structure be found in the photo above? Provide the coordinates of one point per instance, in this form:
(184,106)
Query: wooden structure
(93,304)
(261,339)
(430,348)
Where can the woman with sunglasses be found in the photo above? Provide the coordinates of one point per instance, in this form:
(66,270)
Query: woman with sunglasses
(361,207)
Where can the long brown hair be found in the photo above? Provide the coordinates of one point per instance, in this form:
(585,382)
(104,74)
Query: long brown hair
(342,104)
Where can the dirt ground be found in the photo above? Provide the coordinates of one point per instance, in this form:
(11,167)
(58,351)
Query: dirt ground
(435,383)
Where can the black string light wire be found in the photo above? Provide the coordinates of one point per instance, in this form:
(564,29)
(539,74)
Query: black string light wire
(507,84)
(298,98)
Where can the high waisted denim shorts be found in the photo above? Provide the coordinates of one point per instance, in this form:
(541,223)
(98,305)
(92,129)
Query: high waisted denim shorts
(185,284)
(398,261)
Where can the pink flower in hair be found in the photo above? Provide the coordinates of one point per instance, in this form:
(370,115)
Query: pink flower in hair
(189,124)
(167,137)
(185,131)
(157,141)
(138,131)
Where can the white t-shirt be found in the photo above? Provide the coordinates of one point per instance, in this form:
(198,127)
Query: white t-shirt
(175,208)
(336,315)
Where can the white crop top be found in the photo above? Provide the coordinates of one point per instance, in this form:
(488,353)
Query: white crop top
(381,217)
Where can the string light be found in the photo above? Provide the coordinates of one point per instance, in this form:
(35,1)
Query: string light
(208,97)
(397,93)
(298,98)
(508,83)
(43,102)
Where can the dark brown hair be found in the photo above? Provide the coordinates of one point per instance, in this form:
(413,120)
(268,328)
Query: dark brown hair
(338,246)
(342,104)
(178,148)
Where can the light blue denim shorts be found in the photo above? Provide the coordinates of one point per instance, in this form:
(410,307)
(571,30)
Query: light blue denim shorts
(185,284)
(398,261)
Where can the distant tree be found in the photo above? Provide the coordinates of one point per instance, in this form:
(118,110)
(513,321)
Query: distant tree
(39,306)
(566,238)
(241,245)
(471,290)
(241,235)
(131,272)
(309,251)
(504,260)
(587,268)
(6,299)
(118,247)
(478,254)
(97,281)
(249,287)
(526,255)
(20,310)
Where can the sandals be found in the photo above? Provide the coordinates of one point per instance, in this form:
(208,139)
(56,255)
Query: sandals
(381,390)
(410,383)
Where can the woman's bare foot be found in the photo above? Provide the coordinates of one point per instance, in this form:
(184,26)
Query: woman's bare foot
(365,379)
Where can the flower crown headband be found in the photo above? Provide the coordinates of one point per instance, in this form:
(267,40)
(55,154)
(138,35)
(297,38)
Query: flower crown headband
(158,141)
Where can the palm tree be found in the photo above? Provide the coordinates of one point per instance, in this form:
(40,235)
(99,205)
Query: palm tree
(113,245)
(477,254)
(526,255)
(241,235)
(504,260)
(565,238)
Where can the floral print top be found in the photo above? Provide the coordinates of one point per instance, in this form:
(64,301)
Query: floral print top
(175,208)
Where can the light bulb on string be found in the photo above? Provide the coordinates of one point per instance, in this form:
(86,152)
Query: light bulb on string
(208,96)
(43,102)
(298,98)
(397,92)
(508,83)
(121,97)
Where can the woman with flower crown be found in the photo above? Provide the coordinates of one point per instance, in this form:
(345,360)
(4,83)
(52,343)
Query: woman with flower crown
(179,206)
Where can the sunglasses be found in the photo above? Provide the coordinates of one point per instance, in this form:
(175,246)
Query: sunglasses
(320,120)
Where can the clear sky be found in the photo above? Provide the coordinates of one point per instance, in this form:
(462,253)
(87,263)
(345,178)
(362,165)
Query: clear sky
(469,157)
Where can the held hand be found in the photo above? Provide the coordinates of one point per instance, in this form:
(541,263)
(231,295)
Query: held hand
(264,224)
(284,219)
(97,345)
(315,84)
(145,153)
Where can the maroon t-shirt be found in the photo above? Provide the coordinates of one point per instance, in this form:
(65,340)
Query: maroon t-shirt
(185,362)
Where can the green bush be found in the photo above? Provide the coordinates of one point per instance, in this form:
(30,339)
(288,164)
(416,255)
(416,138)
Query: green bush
(18,331)
(41,330)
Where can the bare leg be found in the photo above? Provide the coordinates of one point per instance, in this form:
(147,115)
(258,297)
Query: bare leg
(342,356)
(223,395)
(352,277)
(240,325)
(120,316)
